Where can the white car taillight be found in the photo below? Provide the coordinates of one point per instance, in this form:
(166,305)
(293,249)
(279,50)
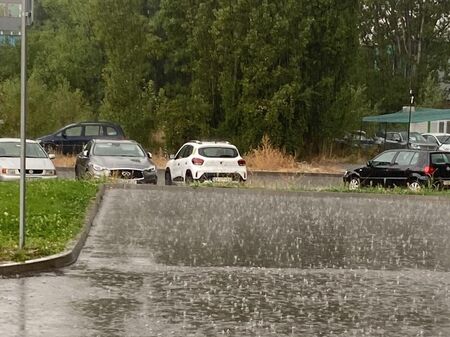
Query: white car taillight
(197,161)
(241,162)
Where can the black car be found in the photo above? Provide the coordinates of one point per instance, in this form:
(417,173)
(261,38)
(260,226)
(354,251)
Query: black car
(71,138)
(403,167)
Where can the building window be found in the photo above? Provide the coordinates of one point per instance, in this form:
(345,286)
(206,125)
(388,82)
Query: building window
(448,127)
(441,127)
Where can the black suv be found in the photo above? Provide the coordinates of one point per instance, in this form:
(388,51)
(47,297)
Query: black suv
(71,138)
(403,167)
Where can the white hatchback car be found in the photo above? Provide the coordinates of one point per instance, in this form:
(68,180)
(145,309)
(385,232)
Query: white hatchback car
(441,139)
(201,161)
(38,162)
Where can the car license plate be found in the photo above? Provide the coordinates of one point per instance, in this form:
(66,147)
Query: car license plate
(446,182)
(222,179)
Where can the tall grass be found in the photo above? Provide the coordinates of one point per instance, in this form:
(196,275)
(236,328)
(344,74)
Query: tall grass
(265,157)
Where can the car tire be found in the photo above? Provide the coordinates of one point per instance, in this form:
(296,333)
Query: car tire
(167,178)
(354,183)
(188,178)
(415,185)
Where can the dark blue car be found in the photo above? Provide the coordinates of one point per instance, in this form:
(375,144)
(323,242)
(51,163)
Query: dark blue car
(71,138)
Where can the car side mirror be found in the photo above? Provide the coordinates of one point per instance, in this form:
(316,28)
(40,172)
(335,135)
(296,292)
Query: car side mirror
(84,153)
(172,156)
(51,156)
(370,163)
(149,154)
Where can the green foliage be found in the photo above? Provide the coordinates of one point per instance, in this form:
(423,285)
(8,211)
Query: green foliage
(302,72)
(50,224)
(47,107)
(432,94)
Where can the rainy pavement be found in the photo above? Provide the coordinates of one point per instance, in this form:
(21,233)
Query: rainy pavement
(228,262)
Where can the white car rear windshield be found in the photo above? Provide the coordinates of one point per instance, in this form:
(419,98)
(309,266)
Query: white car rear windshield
(218,152)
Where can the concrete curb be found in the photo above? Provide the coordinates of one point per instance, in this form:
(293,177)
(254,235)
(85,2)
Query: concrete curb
(66,258)
(255,172)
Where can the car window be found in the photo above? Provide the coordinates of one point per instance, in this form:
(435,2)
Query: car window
(188,151)
(12,149)
(110,131)
(88,147)
(440,158)
(384,158)
(118,149)
(73,131)
(218,152)
(404,157)
(393,136)
(179,155)
(92,130)
(415,159)
(444,139)
(430,139)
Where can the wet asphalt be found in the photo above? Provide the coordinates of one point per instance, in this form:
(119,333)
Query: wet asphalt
(180,261)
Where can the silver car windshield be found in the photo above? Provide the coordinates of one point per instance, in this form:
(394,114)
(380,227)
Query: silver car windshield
(118,150)
(12,149)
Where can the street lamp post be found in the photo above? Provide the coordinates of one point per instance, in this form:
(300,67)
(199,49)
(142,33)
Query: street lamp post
(23,120)
(409,117)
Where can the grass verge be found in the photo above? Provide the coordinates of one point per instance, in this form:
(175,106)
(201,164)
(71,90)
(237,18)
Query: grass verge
(55,214)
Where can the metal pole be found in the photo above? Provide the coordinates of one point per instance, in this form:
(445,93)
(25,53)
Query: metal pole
(23,112)
(409,117)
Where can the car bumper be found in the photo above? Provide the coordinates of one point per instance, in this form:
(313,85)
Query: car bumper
(208,174)
(28,177)
(145,177)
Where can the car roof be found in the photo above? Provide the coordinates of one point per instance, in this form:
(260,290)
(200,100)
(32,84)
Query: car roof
(107,123)
(436,134)
(211,142)
(12,140)
(123,141)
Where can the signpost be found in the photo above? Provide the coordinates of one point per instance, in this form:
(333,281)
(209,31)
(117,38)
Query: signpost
(15,15)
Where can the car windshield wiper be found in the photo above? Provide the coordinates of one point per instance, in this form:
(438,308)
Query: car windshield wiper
(8,156)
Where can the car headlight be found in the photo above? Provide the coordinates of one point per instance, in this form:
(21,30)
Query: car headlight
(49,172)
(414,146)
(150,169)
(96,167)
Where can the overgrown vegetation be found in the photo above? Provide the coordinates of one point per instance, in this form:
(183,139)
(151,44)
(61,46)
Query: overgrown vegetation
(56,212)
(301,72)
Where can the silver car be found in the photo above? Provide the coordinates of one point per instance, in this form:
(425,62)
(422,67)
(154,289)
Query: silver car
(124,160)
(38,163)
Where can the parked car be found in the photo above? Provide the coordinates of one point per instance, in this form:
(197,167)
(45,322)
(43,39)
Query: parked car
(397,139)
(200,161)
(357,138)
(121,159)
(442,140)
(38,163)
(403,167)
(71,138)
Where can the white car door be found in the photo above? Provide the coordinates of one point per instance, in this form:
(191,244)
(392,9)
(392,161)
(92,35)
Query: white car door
(178,164)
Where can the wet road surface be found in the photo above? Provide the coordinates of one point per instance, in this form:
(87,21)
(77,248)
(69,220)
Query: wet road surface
(210,262)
